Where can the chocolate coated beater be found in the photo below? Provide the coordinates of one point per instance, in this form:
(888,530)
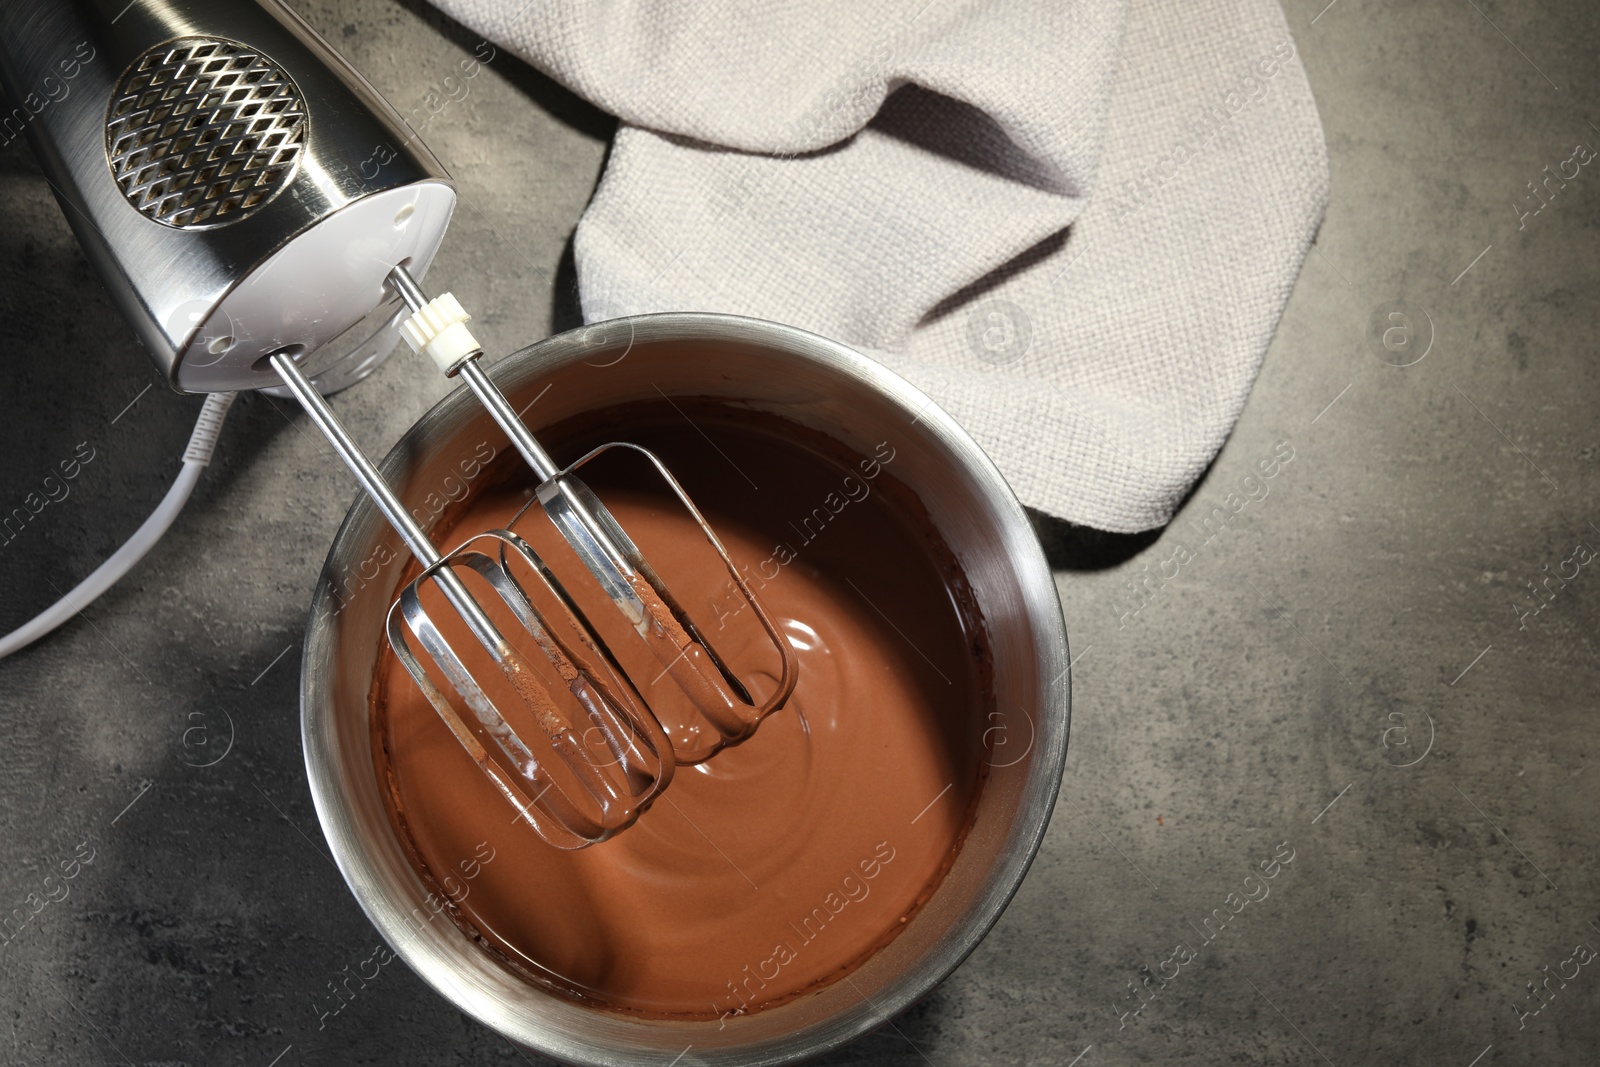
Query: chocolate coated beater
(207,166)
(537,698)
(529,711)
(437,328)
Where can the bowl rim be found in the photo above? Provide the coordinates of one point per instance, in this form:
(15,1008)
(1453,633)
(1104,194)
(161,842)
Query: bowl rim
(1034,580)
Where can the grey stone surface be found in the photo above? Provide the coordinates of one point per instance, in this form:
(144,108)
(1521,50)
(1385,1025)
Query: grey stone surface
(1267,689)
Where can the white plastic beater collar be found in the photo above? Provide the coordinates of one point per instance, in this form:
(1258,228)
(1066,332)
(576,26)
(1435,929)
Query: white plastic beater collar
(439,331)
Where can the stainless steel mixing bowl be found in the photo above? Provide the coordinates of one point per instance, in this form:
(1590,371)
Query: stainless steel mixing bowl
(763,367)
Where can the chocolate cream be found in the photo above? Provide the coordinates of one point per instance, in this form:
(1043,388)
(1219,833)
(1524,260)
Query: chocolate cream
(783,862)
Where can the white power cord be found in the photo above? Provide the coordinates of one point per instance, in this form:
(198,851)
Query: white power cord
(202,443)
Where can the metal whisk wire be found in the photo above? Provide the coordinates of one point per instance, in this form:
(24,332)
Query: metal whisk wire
(525,771)
(572,791)
(437,328)
(535,680)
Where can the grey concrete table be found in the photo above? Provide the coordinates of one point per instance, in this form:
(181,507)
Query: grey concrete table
(1349,670)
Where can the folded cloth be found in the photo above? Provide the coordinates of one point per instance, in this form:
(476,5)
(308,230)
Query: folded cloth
(1073,223)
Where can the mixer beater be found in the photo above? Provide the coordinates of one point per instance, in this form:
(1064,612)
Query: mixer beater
(437,328)
(245,195)
(537,698)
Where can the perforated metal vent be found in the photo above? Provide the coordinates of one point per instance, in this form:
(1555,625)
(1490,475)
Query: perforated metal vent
(202,132)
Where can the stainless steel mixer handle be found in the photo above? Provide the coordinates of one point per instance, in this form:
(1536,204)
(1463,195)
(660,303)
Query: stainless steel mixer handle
(211,155)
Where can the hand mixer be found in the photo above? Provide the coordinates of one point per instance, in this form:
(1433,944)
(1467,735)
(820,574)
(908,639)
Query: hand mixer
(253,206)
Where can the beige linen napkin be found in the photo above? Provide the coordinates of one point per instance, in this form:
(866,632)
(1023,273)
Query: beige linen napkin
(1073,223)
